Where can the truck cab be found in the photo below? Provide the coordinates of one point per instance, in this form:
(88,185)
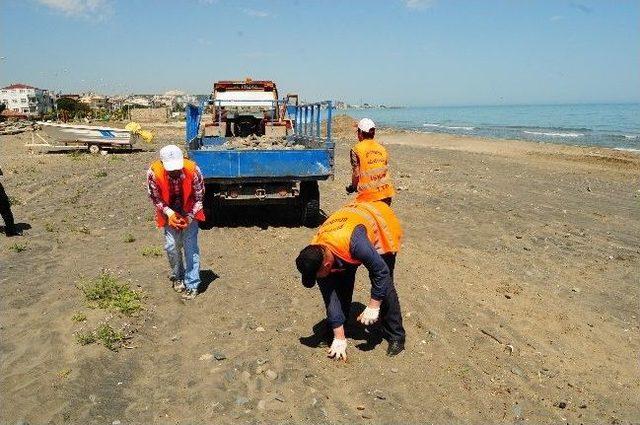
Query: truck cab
(244,108)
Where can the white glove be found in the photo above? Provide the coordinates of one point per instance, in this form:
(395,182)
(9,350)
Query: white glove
(369,316)
(338,349)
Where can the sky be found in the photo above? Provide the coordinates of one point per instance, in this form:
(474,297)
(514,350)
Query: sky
(396,52)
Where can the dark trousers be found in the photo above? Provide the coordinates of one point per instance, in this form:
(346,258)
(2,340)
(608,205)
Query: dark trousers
(5,211)
(337,293)
(390,309)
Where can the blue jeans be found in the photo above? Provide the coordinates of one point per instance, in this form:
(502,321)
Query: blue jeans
(175,242)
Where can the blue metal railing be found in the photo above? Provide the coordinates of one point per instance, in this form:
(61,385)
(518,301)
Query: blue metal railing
(308,120)
(193,114)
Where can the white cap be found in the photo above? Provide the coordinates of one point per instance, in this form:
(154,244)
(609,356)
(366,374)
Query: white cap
(171,157)
(366,125)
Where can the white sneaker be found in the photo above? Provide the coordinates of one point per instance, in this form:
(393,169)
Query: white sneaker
(189,294)
(179,287)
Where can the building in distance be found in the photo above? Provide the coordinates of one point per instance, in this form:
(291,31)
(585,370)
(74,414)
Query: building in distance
(28,100)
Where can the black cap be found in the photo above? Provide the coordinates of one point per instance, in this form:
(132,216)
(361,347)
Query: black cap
(308,263)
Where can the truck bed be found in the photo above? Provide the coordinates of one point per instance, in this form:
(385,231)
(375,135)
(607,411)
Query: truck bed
(257,164)
(302,156)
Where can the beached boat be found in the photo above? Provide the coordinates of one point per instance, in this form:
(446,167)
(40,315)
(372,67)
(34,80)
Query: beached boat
(93,138)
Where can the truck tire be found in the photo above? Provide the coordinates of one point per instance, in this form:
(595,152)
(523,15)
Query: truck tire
(211,207)
(309,204)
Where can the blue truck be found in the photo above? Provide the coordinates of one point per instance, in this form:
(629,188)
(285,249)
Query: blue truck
(286,172)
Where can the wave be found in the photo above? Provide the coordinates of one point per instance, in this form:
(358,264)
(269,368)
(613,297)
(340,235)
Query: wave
(548,134)
(534,127)
(449,127)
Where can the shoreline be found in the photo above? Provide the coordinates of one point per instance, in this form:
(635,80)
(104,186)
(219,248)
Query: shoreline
(609,157)
(399,130)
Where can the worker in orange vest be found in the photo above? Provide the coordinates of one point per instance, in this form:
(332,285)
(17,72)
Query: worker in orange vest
(365,233)
(370,166)
(176,188)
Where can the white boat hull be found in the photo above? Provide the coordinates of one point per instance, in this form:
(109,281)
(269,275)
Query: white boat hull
(85,134)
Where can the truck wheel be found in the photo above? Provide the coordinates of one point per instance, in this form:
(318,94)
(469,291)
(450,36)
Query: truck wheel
(94,149)
(310,204)
(311,213)
(211,209)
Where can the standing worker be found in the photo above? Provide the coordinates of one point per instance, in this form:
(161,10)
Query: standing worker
(370,168)
(176,189)
(10,228)
(365,233)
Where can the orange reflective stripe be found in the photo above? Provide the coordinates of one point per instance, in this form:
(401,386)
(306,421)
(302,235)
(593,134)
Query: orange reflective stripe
(376,171)
(374,184)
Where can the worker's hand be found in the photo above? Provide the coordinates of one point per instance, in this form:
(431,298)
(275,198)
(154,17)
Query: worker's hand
(176,221)
(183,222)
(350,189)
(338,349)
(369,316)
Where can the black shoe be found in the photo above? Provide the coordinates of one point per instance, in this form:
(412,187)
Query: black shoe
(12,232)
(395,347)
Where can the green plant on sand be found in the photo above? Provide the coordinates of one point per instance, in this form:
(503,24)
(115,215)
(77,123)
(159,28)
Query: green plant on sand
(85,338)
(18,247)
(105,334)
(109,337)
(107,292)
(79,317)
(151,251)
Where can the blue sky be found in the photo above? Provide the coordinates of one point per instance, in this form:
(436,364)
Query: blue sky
(409,52)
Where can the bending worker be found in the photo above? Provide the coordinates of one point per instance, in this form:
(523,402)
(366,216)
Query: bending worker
(365,233)
(176,189)
(370,168)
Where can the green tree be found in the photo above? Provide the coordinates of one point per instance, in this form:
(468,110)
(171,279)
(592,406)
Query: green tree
(73,107)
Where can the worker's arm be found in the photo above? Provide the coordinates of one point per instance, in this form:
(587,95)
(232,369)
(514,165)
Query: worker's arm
(355,170)
(154,195)
(362,250)
(198,193)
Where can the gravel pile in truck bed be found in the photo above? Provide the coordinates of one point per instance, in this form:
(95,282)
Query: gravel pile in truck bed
(254,142)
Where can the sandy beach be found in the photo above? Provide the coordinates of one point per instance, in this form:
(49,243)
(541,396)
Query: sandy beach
(518,281)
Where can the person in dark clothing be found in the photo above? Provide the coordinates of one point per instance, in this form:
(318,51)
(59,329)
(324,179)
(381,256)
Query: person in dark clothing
(366,233)
(10,228)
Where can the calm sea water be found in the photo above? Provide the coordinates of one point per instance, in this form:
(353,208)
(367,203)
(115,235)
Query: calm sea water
(609,125)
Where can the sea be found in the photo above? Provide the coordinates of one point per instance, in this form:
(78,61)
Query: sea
(605,125)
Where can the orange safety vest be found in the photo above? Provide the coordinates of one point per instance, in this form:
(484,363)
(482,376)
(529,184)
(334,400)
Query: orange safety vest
(383,229)
(162,180)
(374,183)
